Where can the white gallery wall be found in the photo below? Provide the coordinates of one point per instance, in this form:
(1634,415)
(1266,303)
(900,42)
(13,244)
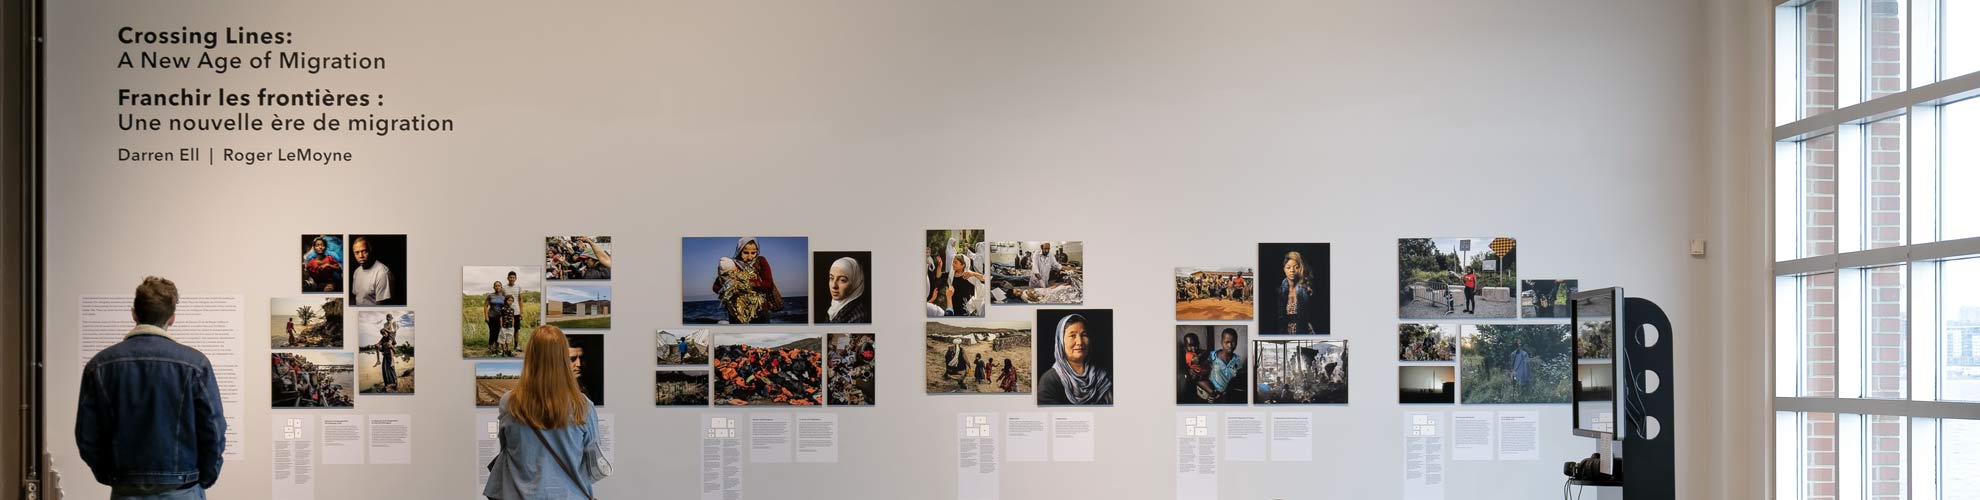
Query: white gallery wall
(1162,134)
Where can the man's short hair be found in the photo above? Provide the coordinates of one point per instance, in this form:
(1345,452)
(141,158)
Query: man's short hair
(157,300)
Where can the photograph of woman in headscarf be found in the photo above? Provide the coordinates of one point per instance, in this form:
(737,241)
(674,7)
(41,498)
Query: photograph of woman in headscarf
(839,294)
(1293,289)
(742,285)
(1076,357)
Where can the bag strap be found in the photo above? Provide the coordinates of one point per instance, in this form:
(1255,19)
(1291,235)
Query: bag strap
(568,472)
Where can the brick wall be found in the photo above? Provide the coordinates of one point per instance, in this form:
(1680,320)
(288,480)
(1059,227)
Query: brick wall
(1818,330)
(1818,196)
(1884,218)
(1884,54)
(1818,57)
(1884,332)
(1818,456)
(1884,477)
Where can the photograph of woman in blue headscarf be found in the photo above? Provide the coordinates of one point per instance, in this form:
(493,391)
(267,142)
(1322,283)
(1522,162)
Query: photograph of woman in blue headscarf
(1075,357)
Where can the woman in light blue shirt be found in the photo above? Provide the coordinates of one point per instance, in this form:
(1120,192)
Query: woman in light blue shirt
(549,431)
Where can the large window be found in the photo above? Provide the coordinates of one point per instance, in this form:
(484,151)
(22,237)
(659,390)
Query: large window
(1876,220)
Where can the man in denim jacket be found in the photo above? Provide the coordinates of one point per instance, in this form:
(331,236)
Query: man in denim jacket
(149,422)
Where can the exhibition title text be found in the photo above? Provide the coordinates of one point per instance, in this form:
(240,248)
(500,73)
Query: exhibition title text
(265,85)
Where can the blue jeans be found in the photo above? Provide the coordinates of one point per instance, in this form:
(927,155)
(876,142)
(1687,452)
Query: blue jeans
(193,492)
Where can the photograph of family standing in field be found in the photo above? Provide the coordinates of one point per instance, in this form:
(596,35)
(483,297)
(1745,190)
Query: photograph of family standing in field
(1516,364)
(744,280)
(306,322)
(1215,293)
(1294,289)
(499,307)
(1037,272)
(956,263)
(322,263)
(577,257)
(385,352)
(1472,278)
(977,356)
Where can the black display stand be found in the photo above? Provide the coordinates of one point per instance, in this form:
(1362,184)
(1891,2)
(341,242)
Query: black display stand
(1649,451)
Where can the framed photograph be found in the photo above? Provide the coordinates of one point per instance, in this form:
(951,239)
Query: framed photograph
(680,387)
(1517,364)
(1426,342)
(784,369)
(385,352)
(680,347)
(1467,278)
(1295,294)
(312,379)
(577,258)
(1037,272)
(499,307)
(1075,357)
(578,306)
(840,292)
(378,270)
(309,321)
(1426,384)
(322,263)
(494,379)
(956,263)
(849,369)
(977,356)
(588,364)
(1300,372)
(1215,293)
(1546,298)
(744,280)
(1211,367)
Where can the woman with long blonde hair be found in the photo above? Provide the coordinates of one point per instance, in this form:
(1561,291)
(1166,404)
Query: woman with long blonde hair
(549,431)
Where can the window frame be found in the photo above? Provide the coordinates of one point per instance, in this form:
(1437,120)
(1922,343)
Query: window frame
(1917,106)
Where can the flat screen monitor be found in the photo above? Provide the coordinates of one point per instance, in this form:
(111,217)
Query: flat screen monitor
(1598,363)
